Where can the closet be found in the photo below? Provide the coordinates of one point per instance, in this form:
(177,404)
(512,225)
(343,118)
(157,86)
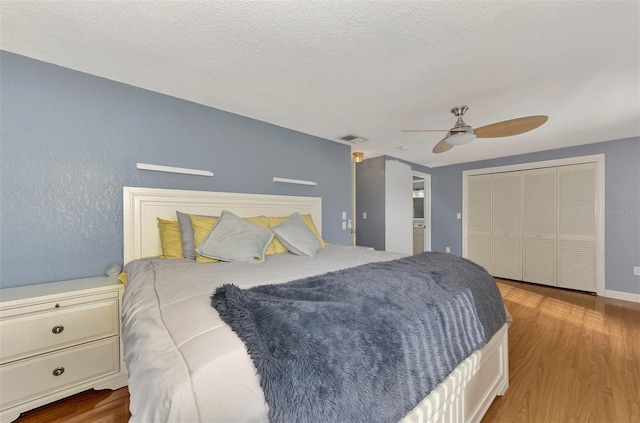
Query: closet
(539,226)
(535,225)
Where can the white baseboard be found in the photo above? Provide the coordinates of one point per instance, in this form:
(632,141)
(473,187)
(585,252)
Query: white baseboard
(619,295)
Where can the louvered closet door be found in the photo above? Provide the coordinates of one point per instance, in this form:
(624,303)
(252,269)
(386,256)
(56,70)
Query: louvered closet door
(479,220)
(539,226)
(507,225)
(577,227)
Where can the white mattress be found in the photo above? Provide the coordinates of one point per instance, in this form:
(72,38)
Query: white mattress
(185,364)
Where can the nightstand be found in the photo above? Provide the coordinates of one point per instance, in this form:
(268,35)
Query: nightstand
(58,339)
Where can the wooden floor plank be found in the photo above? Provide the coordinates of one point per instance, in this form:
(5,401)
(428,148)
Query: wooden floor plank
(574,357)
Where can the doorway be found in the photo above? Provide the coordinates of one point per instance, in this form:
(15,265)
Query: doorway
(421,197)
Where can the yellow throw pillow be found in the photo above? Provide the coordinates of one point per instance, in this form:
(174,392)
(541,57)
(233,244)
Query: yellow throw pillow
(201,226)
(170,239)
(306,218)
(122,277)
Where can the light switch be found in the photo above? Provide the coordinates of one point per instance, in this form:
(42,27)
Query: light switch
(344,226)
(458,216)
(349,224)
(364,215)
(344,215)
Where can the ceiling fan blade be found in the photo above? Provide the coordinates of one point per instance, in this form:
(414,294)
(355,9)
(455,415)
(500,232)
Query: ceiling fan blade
(442,146)
(424,130)
(507,128)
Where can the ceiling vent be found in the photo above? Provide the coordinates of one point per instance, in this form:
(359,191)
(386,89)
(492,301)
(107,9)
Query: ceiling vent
(353,139)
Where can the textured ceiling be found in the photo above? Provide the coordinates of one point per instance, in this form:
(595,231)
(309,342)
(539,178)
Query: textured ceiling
(331,68)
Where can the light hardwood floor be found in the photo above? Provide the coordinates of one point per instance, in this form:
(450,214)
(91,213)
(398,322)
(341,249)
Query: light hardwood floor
(574,357)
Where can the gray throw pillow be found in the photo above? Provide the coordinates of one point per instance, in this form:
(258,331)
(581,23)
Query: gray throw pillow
(233,238)
(186,234)
(296,236)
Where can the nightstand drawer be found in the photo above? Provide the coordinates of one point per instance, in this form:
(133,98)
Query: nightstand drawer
(36,333)
(26,380)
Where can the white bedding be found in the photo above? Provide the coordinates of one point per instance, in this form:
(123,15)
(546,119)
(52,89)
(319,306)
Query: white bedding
(185,364)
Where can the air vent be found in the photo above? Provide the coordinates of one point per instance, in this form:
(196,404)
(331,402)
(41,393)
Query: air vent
(353,139)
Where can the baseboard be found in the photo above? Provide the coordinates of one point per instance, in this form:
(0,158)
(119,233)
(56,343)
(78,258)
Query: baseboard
(619,295)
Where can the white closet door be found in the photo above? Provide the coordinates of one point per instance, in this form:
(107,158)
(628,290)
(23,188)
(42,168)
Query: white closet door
(507,225)
(398,215)
(577,227)
(539,226)
(479,220)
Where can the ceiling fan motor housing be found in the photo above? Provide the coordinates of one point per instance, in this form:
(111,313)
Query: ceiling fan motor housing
(459,110)
(462,133)
(460,125)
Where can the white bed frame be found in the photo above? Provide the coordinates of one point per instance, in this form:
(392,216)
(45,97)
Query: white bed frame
(464,396)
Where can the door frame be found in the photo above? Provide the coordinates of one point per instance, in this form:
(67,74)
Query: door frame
(427,207)
(599,160)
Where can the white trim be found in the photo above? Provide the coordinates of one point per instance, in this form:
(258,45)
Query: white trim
(353,203)
(142,207)
(294,181)
(427,207)
(171,169)
(619,295)
(600,215)
(465,206)
(535,165)
(599,160)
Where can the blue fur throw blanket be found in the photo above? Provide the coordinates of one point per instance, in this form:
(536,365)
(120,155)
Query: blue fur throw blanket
(364,344)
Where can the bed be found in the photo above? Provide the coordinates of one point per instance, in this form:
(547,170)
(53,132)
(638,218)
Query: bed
(186,364)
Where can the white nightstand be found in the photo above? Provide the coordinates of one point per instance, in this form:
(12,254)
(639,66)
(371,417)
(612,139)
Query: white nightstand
(58,339)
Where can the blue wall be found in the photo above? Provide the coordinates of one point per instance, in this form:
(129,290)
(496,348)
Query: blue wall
(69,142)
(622,204)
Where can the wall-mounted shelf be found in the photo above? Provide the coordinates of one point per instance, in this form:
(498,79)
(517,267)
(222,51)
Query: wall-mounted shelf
(171,169)
(294,181)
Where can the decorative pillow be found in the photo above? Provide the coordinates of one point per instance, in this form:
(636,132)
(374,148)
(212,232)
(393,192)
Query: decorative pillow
(122,277)
(235,239)
(202,225)
(306,218)
(264,222)
(170,240)
(276,245)
(295,234)
(186,234)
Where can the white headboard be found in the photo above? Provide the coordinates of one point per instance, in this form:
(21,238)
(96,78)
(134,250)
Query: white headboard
(142,207)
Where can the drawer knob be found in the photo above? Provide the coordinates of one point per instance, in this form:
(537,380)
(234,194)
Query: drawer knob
(57,329)
(58,371)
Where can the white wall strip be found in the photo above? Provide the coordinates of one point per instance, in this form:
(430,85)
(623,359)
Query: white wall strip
(171,169)
(294,181)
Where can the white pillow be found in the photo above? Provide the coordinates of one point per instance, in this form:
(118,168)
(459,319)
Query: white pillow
(233,238)
(296,236)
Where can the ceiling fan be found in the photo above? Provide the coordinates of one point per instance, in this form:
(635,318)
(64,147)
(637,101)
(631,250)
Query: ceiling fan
(461,133)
